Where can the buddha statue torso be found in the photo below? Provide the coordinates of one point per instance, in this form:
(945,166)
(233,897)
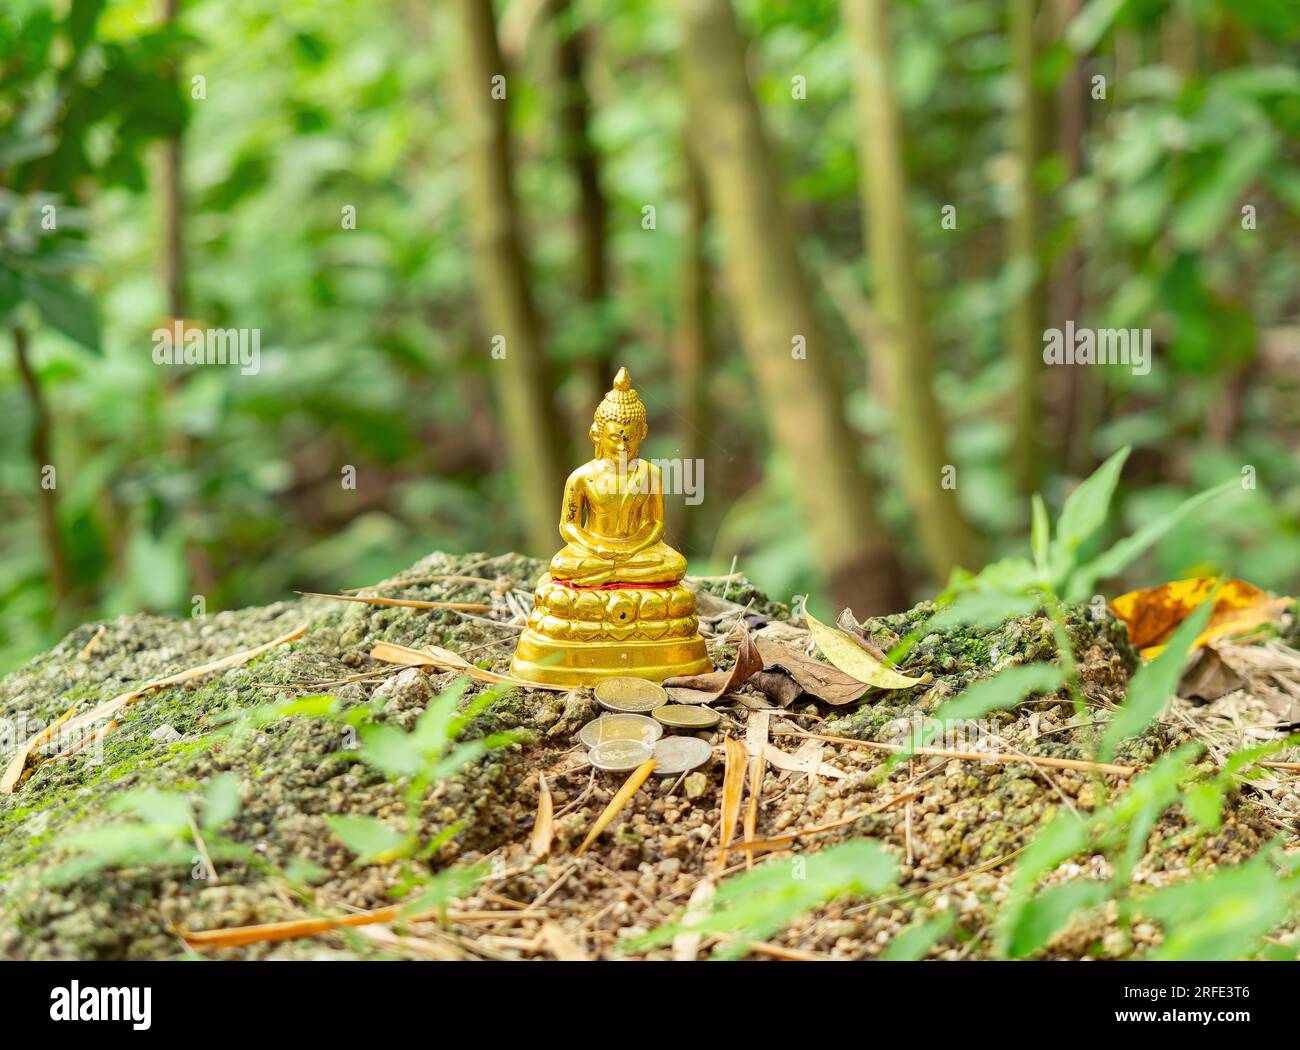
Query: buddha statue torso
(613,601)
(615,510)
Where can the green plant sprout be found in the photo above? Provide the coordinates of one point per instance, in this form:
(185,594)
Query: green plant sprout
(167,834)
(430,753)
(756,904)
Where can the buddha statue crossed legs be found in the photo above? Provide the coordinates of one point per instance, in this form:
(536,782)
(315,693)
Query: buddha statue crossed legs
(613,602)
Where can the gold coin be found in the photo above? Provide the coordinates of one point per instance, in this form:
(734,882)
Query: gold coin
(630,695)
(620,727)
(686,716)
(677,754)
(620,756)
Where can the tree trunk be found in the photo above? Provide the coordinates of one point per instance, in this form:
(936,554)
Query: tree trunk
(946,539)
(505,301)
(1080,394)
(773,307)
(47,503)
(595,371)
(1024,237)
(693,345)
(173,201)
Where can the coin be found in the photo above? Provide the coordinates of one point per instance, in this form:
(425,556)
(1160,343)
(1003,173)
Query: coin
(677,754)
(630,695)
(619,756)
(686,716)
(620,727)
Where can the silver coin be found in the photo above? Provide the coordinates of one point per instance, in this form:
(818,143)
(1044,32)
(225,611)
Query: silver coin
(686,716)
(677,754)
(620,756)
(630,695)
(620,727)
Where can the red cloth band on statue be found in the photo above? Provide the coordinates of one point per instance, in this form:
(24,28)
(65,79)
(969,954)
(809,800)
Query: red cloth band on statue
(615,586)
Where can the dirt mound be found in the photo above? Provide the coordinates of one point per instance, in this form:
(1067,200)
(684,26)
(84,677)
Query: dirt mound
(954,835)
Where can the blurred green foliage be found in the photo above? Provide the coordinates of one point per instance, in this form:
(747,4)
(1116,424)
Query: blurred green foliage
(175,483)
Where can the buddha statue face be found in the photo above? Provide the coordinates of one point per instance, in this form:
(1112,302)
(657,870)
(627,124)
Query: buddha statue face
(616,440)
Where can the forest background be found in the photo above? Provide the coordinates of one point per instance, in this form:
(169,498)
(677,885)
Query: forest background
(827,240)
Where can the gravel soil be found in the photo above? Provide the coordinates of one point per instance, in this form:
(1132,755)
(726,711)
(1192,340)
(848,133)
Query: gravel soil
(954,838)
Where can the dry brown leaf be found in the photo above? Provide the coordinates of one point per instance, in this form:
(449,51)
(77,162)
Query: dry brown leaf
(446,660)
(544,827)
(561,945)
(1209,678)
(617,803)
(848,623)
(733,786)
(806,760)
(777,686)
(293,929)
(90,645)
(405,603)
(706,688)
(756,730)
(820,680)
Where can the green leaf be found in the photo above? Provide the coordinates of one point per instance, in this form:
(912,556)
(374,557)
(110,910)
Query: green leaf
(1041,537)
(368,838)
(1084,513)
(445,887)
(1005,689)
(756,904)
(432,732)
(304,870)
(221,801)
(1064,837)
(1154,683)
(392,752)
(1043,915)
(65,307)
(1091,24)
(1007,576)
(982,609)
(916,941)
(1117,559)
(158,807)
(1207,206)
(1222,916)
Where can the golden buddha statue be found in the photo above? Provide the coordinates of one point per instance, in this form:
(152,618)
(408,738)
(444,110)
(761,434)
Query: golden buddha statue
(613,602)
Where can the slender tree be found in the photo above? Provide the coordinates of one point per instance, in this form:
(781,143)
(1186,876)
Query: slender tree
(773,306)
(592,217)
(47,505)
(1080,393)
(1024,239)
(507,311)
(694,349)
(946,539)
(172,191)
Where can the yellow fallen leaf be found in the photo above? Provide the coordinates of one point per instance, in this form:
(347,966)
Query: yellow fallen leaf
(852,659)
(616,803)
(733,786)
(544,827)
(1154,613)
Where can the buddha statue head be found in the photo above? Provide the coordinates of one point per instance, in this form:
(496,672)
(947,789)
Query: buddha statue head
(619,426)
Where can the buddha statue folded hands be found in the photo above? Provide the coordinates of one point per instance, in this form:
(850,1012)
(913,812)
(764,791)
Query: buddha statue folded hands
(613,602)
